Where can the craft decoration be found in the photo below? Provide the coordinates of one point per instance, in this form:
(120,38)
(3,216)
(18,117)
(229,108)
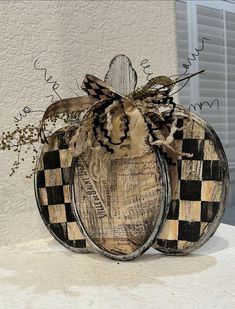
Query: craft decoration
(101,180)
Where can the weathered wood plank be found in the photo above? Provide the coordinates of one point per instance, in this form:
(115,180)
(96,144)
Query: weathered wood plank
(121,75)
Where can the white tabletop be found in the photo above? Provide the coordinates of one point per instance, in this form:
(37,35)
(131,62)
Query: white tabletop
(44,275)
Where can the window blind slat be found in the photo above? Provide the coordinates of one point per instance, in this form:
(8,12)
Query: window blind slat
(207,57)
(213,67)
(214,22)
(212,59)
(213,76)
(208,84)
(210,24)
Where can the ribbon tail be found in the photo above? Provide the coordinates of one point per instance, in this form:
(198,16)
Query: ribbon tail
(72,105)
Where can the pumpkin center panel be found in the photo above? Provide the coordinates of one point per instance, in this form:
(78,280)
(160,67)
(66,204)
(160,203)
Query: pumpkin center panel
(118,200)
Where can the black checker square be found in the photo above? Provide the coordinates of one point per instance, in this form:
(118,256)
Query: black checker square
(40,179)
(189,231)
(179,134)
(55,195)
(195,147)
(207,135)
(69,213)
(190,190)
(45,213)
(212,170)
(79,243)
(180,123)
(209,210)
(173,213)
(60,230)
(51,160)
(165,243)
(179,166)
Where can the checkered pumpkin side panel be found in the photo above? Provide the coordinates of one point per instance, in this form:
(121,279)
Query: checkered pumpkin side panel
(53,193)
(198,190)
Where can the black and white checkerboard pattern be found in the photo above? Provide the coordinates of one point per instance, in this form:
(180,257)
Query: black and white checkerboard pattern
(53,193)
(98,89)
(198,197)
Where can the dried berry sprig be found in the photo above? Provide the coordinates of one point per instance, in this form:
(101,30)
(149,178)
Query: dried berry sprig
(24,139)
(19,140)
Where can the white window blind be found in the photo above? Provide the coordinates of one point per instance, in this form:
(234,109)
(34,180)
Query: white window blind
(214,20)
(183,47)
(230,26)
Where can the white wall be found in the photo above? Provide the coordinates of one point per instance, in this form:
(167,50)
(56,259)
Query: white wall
(70,38)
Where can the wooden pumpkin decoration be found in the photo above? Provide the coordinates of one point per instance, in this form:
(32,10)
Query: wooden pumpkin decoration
(116,159)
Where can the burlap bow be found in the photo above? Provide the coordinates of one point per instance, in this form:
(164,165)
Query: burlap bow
(147,116)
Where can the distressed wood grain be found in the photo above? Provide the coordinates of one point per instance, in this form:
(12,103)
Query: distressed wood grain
(121,75)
